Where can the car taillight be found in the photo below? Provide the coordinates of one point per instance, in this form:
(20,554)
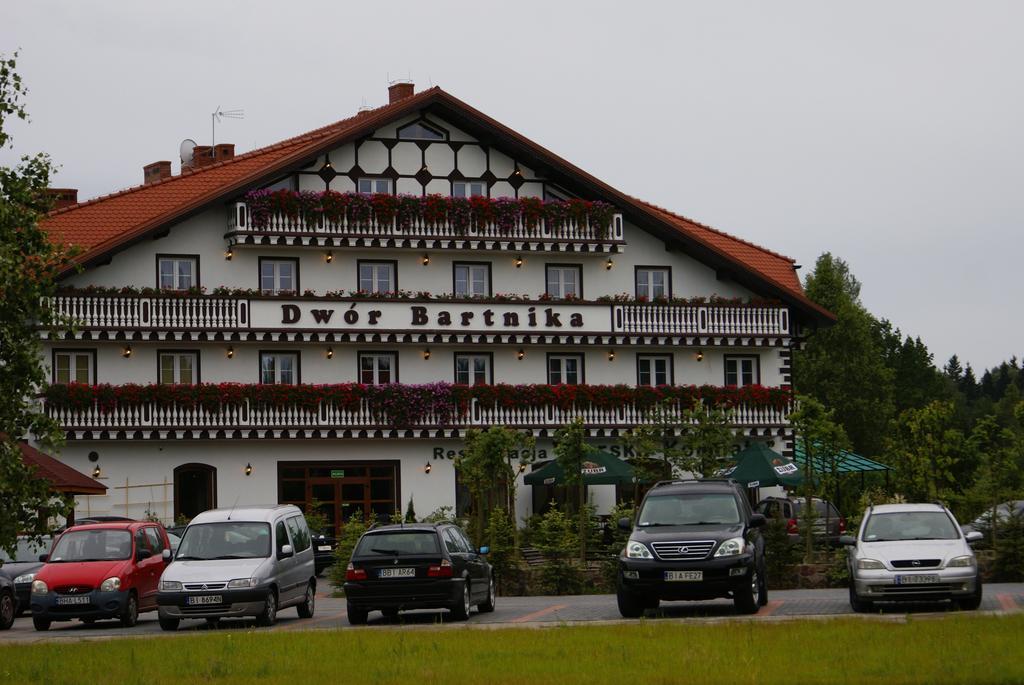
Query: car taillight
(842,525)
(353,573)
(442,570)
(791,527)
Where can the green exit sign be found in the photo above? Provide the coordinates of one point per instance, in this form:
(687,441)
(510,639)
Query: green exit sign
(337,473)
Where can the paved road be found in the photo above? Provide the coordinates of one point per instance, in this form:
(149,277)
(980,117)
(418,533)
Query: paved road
(525,611)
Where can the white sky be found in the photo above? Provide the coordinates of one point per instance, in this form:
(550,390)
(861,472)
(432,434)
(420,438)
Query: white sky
(889,133)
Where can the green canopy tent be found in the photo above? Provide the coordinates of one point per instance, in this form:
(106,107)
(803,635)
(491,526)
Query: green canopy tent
(842,462)
(757,466)
(599,468)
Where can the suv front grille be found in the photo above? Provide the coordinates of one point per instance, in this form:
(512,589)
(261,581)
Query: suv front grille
(916,563)
(684,550)
(205,586)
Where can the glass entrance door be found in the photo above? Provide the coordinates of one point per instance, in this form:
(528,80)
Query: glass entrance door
(341,489)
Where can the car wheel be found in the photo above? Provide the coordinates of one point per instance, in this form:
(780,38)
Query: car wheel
(268,616)
(763,595)
(487,605)
(357,616)
(747,597)
(130,615)
(857,604)
(7,609)
(974,601)
(460,610)
(168,623)
(630,606)
(308,604)
(40,623)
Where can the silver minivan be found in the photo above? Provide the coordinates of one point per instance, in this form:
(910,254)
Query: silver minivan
(244,561)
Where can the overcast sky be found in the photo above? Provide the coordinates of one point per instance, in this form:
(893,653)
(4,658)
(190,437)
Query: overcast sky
(889,133)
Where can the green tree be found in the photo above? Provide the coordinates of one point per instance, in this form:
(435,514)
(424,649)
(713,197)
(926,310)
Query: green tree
(924,450)
(410,512)
(655,446)
(489,466)
(707,440)
(571,450)
(29,264)
(999,473)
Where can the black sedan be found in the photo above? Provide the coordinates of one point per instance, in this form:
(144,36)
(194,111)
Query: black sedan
(324,545)
(8,603)
(21,566)
(417,566)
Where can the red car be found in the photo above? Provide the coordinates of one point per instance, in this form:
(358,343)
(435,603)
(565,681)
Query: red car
(99,571)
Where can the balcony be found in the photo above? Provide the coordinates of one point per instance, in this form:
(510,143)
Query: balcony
(434,222)
(355,411)
(240,316)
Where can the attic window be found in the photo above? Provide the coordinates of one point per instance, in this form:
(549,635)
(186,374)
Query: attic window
(417,130)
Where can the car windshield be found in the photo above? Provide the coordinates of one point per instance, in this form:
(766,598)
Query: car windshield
(398,543)
(225,540)
(910,525)
(92,545)
(26,550)
(689,510)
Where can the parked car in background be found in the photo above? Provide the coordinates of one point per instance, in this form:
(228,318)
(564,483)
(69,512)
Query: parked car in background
(912,552)
(324,545)
(8,602)
(983,523)
(21,568)
(417,566)
(829,524)
(244,561)
(98,571)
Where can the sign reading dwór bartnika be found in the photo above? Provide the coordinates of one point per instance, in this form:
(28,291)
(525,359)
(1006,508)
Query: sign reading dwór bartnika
(454,316)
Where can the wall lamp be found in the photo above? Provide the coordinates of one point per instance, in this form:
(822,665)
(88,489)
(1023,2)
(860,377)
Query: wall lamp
(519,261)
(700,355)
(328,256)
(230,352)
(609,264)
(248,469)
(611,355)
(426,259)
(427,467)
(97,472)
(520,354)
(330,353)
(426,353)
(228,254)
(127,351)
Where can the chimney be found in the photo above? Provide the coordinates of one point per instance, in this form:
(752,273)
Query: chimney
(157,171)
(202,155)
(62,197)
(400,91)
(223,151)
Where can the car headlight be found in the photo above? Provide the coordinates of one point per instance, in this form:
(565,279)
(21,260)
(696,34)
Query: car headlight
(170,586)
(110,584)
(731,547)
(39,587)
(242,583)
(637,550)
(24,578)
(869,564)
(958,562)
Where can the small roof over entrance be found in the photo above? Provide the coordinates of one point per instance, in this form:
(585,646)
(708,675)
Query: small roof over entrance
(845,461)
(61,477)
(599,468)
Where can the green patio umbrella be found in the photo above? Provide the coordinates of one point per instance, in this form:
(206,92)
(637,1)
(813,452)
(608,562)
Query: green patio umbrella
(599,468)
(757,466)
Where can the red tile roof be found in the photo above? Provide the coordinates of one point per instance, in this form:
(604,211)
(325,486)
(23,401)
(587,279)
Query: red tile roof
(105,224)
(62,477)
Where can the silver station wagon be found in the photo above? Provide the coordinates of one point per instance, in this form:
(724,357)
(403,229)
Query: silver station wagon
(245,561)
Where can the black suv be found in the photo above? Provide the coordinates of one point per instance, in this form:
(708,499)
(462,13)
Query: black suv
(693,540)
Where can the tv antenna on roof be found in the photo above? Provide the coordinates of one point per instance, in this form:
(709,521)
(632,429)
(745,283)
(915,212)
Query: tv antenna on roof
(222,114)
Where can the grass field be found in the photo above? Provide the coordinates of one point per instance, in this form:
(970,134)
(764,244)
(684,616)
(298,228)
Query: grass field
(958,649)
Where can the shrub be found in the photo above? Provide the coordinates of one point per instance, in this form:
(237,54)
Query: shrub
(351,531)
(503,556)
(780,554)
(556,537)
(1008,564)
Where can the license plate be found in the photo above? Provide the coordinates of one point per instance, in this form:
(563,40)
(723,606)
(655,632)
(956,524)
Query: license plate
(323,548)
(684,575)
(75,599)
(204,599)
(917,579)
(397,573)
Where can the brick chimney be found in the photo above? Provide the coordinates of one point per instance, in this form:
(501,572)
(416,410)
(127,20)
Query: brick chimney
(223,151)
(62,197)
(202,155)
(400,91)
(157,171)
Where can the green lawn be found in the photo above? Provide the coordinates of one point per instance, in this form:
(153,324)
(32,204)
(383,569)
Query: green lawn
(956,649)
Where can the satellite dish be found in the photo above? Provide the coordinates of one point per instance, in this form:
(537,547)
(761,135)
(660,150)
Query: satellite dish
(185,150)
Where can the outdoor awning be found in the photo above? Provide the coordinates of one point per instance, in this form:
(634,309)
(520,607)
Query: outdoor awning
(845,461)
(61,477)
(757,466)
(599,468)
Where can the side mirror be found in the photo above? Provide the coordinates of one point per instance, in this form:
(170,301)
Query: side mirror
(847,540)
(166,556)
(625,524)
(286,551)
(485,550)
(973,536)
(44,557)
(143,554)
(758,521)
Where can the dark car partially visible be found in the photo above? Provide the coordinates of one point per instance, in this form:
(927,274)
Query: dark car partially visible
(21,566)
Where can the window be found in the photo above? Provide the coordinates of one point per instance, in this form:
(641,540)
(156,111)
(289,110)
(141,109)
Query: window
(565,369)
(564,280)
(378,277)
(279,276)
(156,541)
(375,185)
(74,366)
(178,368)
(177,272)
(378,368)
(472,369)
(450,542)
(300,533)
(468,188)
(418,130)
(280,537)
(472,280)
(652,282)
(142,541)
(279,368)
(653,369)
(740,371)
